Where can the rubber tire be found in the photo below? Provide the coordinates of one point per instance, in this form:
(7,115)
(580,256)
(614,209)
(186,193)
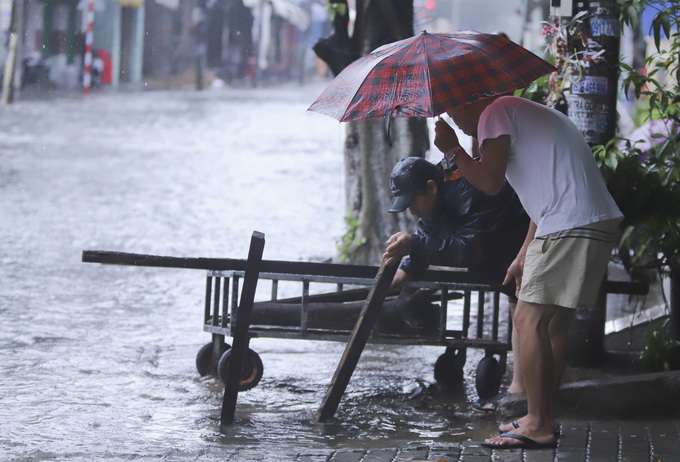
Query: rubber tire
(205,363)
(448,369)
(251,372)
(204,360)
(487,378)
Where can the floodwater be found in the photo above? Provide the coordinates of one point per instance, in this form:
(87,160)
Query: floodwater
(98,361)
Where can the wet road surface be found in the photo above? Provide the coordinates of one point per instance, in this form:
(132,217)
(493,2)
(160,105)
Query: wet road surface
(98,362)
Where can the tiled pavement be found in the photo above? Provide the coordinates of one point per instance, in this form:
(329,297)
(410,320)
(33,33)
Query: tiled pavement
(592,441)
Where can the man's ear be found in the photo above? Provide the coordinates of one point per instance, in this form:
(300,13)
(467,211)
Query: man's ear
(431,187)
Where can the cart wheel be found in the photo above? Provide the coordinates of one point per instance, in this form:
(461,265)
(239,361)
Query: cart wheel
(487,379)
(205,363)
(448,369)
(251,371)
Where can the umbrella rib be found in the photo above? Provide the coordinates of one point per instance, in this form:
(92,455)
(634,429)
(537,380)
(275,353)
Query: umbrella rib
(429,86)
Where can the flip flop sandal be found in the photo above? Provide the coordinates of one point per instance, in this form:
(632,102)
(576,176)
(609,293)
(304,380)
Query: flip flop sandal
(523,442)
(557,432)
(514,424)
(491,404)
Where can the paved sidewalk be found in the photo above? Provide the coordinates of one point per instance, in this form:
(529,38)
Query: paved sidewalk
(612,419)
(592,441)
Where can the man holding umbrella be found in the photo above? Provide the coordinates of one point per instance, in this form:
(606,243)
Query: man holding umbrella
(573,229)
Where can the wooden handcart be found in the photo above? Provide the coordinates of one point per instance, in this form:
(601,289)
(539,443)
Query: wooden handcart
(337,302)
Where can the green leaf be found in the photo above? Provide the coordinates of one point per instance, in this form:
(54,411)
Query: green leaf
(661,22)
(631,16)
(335,9)
(666,24)
(612,161)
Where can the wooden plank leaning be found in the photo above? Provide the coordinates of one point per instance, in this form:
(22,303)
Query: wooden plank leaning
(240,338)
(357,342)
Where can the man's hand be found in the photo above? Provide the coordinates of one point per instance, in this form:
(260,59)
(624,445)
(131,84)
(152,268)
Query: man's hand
(515,271)
(444,136)
(398,246)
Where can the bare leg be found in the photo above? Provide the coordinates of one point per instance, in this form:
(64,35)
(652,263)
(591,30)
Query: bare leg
(538,371)
(517,385)
(559,337)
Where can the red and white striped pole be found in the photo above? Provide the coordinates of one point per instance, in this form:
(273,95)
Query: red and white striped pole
(87,77)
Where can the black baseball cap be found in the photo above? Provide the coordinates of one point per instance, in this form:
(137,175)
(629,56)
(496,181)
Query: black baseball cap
(409,176)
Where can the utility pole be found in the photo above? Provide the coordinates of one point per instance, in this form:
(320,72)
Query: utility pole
(675,303)
(592,100)
(13,49)
(87,76)
(592,107)
(7,87)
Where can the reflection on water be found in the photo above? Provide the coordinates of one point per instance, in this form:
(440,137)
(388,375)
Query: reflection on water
(98,362)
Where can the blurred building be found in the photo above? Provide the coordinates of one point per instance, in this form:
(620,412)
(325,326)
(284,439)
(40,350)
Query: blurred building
(51,41)
(239,41)
(519,19)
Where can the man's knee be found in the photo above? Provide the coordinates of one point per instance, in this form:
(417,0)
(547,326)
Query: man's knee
(532,317)
(560,321)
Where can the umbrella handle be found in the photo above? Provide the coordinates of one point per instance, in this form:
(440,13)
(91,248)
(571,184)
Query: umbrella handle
(388,135)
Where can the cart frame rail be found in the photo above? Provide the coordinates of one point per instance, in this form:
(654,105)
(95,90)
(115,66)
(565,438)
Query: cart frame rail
(222,292)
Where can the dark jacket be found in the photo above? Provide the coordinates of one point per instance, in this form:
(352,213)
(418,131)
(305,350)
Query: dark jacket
(471,229)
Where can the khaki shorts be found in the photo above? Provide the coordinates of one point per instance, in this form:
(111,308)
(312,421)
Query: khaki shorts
(566,268)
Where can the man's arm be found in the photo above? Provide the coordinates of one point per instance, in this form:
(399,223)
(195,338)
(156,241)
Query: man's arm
(452,245)
(401,277)
(487,174)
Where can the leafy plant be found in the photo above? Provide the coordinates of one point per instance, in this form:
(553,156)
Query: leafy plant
(335,8)
(570,60)
(645,179)
(347,243)
(644,175)
(661,352)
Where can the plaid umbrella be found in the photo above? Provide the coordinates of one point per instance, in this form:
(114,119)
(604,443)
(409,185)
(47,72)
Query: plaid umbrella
(428,74)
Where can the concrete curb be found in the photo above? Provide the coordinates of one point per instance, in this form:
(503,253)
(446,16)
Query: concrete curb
(626,397)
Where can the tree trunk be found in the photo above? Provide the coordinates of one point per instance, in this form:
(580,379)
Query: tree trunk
(369,160)
(371,151)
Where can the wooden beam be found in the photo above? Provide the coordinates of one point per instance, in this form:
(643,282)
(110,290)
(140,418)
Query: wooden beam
(357,342)
(239,347)
(272,266)
(228,264)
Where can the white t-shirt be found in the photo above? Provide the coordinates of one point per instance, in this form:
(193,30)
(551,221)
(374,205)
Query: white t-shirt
(550,166)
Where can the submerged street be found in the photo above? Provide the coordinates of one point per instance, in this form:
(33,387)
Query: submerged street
(98,362)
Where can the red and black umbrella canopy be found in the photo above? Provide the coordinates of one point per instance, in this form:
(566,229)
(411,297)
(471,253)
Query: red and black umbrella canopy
(428,74)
